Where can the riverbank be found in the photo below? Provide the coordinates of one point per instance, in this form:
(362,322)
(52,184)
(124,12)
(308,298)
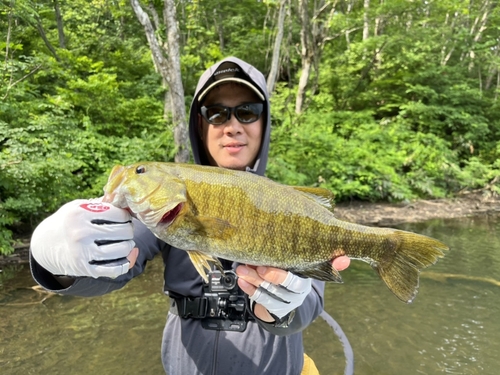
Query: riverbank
(376,214)
(387,214)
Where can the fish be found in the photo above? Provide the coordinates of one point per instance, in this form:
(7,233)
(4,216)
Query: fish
(213,213)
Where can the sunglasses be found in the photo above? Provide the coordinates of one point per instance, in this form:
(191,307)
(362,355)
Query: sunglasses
(245,113)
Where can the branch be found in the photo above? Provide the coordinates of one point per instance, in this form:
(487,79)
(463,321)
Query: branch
(41,31)
(156,17)
(10,163)
(367,68)
(322,9)
(20,80)
(9,28)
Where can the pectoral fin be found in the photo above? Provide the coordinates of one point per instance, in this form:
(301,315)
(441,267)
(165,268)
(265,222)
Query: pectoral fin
(202,263)
(213,227)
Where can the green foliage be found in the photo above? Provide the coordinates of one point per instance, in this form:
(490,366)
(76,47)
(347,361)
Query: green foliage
(214,29)
(356,157)
(65,123)
(411,111)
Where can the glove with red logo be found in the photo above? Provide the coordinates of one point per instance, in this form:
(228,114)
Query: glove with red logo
(84,238)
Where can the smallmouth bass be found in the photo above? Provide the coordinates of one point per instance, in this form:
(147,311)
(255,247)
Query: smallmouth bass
(215,213)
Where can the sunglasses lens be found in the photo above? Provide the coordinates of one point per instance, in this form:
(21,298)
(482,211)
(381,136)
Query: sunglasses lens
(216,115)
(247,113)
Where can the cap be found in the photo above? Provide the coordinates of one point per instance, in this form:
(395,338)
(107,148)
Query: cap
(229,72)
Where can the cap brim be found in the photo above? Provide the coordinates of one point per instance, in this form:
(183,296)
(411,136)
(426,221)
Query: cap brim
(231,79)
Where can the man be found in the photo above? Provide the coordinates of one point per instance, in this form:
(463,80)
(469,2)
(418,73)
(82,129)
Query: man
(86,249)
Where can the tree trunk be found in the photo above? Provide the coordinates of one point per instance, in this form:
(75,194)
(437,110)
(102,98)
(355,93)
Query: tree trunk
(378,28)
(498,85)
(219,26)
(169,69)
(60,25)
(158,59)
(167,101)
(478,28)
(493,70)
(175,83)
(347,32)
(304,55)
(9,29)
(366,20)
(448,42)
(273,74)
(304,78)
(313,35)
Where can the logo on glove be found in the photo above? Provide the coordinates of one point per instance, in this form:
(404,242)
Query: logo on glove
(95,207)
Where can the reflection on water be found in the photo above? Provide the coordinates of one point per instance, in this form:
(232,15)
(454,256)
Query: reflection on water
(119,333)
(452,327)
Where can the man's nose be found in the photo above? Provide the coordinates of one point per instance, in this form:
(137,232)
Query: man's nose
(233,125)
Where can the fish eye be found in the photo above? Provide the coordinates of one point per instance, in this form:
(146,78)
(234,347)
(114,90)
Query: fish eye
(140,169)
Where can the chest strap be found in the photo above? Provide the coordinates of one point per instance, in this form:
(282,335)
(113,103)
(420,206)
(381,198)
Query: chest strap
(195,308)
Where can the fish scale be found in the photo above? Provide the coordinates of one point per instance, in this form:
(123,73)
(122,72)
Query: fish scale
(219,213)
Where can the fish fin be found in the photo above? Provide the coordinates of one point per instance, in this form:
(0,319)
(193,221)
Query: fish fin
(202,262)
(412,253)
(213,227)
(320,195)
(323,271)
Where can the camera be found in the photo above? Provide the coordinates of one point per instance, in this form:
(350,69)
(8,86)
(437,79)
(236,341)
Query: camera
(226,303)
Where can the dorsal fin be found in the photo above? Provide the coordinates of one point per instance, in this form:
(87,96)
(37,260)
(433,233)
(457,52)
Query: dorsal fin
(320,195)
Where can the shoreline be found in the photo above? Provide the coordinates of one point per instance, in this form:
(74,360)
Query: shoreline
(389,214)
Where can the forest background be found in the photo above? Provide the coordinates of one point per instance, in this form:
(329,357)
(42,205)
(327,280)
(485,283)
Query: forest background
(386,100)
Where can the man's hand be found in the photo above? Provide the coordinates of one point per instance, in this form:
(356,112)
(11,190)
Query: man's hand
(85,238)
(275,290)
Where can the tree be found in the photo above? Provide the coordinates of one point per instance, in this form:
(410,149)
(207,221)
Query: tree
(313,34)
(273,73)
(166,56)
(396,99)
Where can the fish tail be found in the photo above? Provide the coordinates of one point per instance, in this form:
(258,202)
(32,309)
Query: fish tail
(401,266)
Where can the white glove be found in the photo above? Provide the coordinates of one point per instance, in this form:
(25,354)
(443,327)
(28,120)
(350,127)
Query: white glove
(281,299)
(84,238)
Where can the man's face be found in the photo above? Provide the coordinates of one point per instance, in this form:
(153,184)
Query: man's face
(232,145)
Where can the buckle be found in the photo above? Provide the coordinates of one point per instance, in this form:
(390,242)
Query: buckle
(192,308)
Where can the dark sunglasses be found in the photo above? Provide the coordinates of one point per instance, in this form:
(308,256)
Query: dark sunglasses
(245,113)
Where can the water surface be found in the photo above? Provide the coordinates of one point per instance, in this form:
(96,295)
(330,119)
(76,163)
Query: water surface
(452,327)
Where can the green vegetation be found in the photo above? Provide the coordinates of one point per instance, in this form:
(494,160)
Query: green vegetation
(409,110)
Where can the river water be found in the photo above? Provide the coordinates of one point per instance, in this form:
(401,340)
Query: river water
(452,327)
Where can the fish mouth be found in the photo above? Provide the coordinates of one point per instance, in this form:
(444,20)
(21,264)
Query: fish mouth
(142,199)
(150,216)
(154,217)
(170,216)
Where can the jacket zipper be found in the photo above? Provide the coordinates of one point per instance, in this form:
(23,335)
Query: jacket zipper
(215,354)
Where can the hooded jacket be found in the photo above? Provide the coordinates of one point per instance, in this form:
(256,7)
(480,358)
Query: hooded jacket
(188,348)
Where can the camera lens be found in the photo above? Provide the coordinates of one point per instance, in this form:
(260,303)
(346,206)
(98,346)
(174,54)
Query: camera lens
(228,280)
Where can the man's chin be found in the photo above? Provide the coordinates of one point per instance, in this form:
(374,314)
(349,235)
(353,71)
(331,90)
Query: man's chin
(233,164)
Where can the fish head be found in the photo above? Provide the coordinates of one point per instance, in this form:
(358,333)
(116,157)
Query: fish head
(149,192)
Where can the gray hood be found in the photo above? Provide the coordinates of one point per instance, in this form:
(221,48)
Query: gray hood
(259,81)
